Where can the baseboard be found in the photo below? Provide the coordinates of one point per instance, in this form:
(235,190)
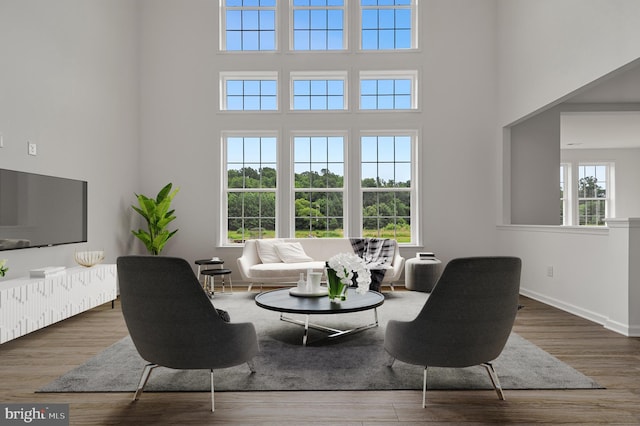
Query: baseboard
(627,330)
(572,309)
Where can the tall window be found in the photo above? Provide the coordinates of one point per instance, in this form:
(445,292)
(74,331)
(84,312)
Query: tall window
(389,90)
(314,91)
(319,186)
(249,91)
(318,25)
(248,25)
(387,186)
(564,169)
(250,186)
(387,24)
(592,194)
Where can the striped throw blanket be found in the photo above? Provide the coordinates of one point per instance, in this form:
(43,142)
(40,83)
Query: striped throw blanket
(377,254)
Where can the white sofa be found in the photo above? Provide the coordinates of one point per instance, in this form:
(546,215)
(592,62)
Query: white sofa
(254,271)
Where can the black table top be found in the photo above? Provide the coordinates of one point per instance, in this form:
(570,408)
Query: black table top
(222,271)
(209,262)
(281,301)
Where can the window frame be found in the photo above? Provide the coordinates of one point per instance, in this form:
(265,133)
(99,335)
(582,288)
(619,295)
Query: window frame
(225,190)
(608,188)
(572,196)
(345,187)
(413,190)
(411,75)
(413,7)
(226,76)
(319,76)
(566,193)
(345,25)
(223,25)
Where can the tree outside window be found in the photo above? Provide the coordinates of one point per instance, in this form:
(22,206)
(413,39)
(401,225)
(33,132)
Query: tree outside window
(251,186)
(386,186)
(319,186)
(592,194)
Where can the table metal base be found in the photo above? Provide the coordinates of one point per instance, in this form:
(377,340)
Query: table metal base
(333,332)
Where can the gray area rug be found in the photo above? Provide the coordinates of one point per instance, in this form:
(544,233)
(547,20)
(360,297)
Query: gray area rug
(356,362)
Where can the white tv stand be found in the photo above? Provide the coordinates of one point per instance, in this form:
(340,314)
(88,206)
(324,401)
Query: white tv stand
(29,304)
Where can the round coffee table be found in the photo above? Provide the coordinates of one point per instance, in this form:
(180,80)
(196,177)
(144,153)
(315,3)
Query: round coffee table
(282,301)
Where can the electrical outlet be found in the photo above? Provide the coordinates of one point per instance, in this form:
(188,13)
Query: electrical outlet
(32,148)
(550,271)
(1,141)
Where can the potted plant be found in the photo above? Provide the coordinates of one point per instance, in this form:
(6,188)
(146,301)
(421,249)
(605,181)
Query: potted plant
(158,216)
(3,267)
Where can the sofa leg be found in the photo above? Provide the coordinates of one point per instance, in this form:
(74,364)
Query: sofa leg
(250,285)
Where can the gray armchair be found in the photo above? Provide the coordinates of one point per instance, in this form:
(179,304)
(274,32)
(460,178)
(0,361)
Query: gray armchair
(172,322)
(466,320)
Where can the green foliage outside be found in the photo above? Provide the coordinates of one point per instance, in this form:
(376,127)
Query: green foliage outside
(318,214)
(591,212)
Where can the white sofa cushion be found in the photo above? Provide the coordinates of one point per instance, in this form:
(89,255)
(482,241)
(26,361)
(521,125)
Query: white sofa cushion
(292,253)
(267,250)
(269,272)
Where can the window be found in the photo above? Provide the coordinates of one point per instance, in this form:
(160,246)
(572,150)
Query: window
(592,194)
(387,186)
(387,24)
(250,186)
(248,25)
(299,89)
(388,91)
(319,186)
(564,169)
(318,25)
(311,91)
(249,91)
(586,193)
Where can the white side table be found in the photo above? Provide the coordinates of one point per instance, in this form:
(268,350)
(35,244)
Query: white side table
(421,275)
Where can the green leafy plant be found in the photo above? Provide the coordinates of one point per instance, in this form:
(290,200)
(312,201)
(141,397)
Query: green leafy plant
(158,216)
(3,268)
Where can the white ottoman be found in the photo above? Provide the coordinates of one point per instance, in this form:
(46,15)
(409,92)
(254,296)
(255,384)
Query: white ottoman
(421,275)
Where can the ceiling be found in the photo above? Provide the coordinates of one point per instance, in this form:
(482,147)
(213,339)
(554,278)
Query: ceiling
(606,129)
(598,130)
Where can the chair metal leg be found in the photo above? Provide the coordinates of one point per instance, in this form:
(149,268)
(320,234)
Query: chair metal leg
(146,372)
(390,360)
(424,387)
(494,379)
(213,403)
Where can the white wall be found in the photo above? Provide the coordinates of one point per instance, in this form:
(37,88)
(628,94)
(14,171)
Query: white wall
(69,83)
(549,48)
(535,165)
(181,124)
(627,175)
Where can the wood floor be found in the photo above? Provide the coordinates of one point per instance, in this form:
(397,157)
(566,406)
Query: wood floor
(612,360)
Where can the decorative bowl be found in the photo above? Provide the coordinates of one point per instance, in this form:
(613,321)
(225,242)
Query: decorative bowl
(89,258)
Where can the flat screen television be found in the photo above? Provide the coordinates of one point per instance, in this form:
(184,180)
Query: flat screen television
(41,211)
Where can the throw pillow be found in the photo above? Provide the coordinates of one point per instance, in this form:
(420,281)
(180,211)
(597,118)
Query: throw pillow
(267,251)
(292,253)
(224,315)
